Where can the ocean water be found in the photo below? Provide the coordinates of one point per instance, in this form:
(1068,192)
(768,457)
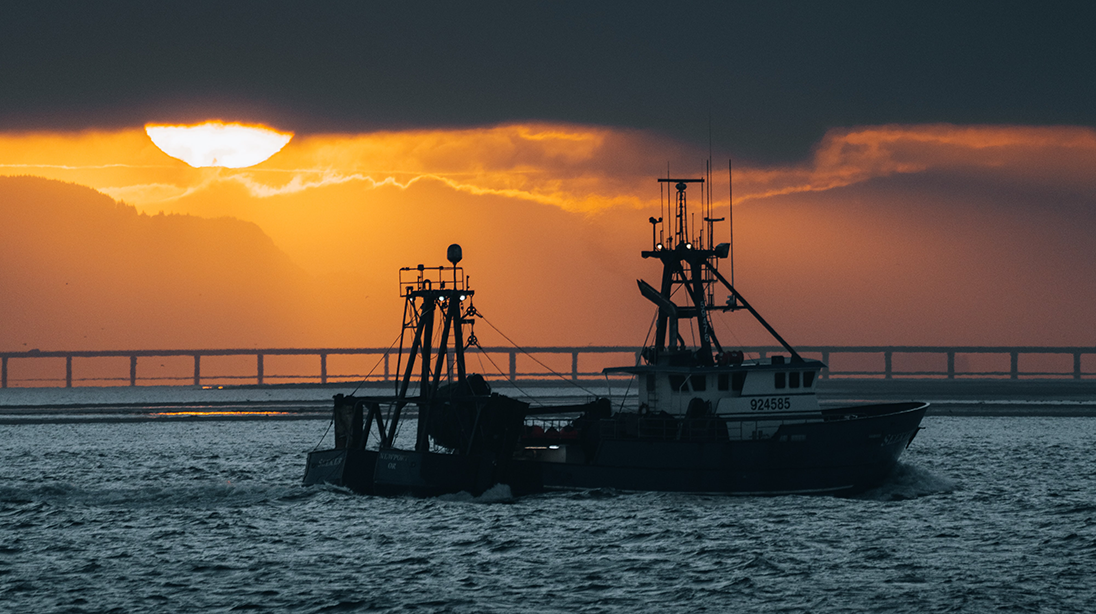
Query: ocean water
(983,514)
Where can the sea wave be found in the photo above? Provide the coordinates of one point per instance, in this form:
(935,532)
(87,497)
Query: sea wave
(201,495)
(909,481)
(985,514)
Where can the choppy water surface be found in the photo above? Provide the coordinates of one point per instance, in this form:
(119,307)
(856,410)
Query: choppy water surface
(983,514)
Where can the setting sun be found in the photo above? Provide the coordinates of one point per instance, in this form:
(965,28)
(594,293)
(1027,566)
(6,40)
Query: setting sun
(215,143)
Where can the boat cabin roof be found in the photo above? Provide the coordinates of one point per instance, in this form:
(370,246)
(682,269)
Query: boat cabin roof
(807,364)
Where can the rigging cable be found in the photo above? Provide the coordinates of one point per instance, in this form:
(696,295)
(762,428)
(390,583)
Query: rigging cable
(522,350)
(383,356)
(639,357)
(324,436)
(360,384)
(513,383)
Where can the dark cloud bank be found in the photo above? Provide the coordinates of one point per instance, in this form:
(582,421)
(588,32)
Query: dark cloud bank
(773,77)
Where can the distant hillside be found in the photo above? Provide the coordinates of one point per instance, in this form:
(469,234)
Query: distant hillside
(79,270)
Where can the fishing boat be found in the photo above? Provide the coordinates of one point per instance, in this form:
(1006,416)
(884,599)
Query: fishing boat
(707,420)
(466,435)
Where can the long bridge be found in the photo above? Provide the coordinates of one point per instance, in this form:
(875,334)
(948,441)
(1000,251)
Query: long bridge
(268,366)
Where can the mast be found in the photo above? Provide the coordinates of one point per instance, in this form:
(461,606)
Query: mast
(681,265)
(430,293)
(691,263)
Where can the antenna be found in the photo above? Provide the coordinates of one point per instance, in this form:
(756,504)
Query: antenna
(668,201)
(661,205)
(730,212)
(708,187)
(706,242)
(708,208)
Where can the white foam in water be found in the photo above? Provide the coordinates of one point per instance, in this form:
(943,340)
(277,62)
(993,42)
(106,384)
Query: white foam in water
(499,493)
(910,482)
(495,494)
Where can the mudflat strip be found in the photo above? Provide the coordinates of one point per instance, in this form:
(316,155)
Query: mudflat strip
(1002,397)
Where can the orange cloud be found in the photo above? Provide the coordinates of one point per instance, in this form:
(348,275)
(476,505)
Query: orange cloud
(850,156)
(841,248)
(576,168)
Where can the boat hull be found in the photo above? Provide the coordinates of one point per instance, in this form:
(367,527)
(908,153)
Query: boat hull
(424,474)
(853,450)
(346,467)
(846,454)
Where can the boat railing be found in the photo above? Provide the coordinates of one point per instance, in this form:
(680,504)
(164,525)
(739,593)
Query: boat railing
(663,428)
(540,365)
(545,429)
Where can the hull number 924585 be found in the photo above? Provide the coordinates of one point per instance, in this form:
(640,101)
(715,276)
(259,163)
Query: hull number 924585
(771,403)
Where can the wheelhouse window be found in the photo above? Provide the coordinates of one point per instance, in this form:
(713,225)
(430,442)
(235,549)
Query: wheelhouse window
(808,379)
(780,379)
(793,379)
(723,381)
(699,382)
(738,380)
(650,382)
(677,383)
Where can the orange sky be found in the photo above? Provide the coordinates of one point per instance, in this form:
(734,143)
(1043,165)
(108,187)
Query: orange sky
(926,234)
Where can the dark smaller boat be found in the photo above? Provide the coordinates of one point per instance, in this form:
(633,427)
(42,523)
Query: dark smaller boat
(466,435)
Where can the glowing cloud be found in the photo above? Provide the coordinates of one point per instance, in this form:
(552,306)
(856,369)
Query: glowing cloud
(585,169)
(218,144)
(845,157)
(995,222)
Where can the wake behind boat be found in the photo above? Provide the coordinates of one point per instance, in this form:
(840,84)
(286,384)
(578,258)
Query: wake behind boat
(708,419)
